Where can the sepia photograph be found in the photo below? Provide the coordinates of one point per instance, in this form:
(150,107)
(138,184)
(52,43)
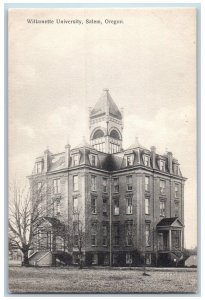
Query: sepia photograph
(102,161)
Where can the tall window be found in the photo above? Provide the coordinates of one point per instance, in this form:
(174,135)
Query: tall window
(128,232)
(39,187)
(147,183)
(104,229)
(93,234)
(105,185)
(116,185)
(75,183)
(129,183)
(116,207)
(148,259)
(56,184)
(116,229)
(75,234)
(75,204)
(129,206)
(162,208)
(162,165)
(57,210)
(39,167)
(147,235)
(147,206)
(176,169)
(76,159)
(93,183)
(147,160)
(104,207)
(128,258)
(162,187)
(176,191)
(93,205)
(176,209)
(94,160)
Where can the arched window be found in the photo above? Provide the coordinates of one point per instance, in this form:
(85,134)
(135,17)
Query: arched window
(114,134)
(98,134)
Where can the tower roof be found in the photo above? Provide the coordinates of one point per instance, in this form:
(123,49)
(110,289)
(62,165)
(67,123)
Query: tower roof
(106,105)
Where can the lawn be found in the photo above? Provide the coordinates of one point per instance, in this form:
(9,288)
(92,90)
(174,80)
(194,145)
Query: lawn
(64,280)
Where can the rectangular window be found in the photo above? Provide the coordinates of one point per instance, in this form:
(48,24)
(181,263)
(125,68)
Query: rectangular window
(147,183)
(116,229)
(176,191)
(176,239)
(116,207)
(75,183)
(162,187)
(93,234)
(56,184)
(146,160)
(129,206)
(162,208)
(147,234)
(93,205)
(75,205)
(129,160)
(162,165)
(104,207)
(93,183)
(94,259)
(93,160)
(147,206)
(116,185)
(176,209)
(57,210)
(76,159)
(104,234)
(39,167)
(75,234)
(105,185)
(148,260)
(128,232)
(128,258)
(129,183)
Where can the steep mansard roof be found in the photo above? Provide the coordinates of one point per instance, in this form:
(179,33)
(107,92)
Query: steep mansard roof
(107,162)
(106,105)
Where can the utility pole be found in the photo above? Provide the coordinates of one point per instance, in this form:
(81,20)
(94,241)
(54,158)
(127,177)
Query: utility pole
(110,196)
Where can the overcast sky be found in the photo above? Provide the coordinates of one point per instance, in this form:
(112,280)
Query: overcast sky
(57,71)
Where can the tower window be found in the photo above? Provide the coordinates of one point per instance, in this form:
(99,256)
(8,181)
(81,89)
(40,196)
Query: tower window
(114,134)
(162,165)
(98,134)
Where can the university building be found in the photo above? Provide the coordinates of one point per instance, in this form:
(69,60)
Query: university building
(114,206)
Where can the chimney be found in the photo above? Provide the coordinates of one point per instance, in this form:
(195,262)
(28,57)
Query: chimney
(153,156)
(170,158)
(46,160)
(67,155)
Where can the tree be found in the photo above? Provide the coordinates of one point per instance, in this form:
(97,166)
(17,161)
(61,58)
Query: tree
(78,234)
(26,210)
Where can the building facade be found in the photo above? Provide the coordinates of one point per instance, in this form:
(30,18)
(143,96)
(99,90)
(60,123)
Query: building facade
(113,206)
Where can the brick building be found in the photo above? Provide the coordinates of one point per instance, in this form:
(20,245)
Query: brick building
(129,203)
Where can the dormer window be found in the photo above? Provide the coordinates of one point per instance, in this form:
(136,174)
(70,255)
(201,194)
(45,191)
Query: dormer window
(146,160)
(93,160)
(39,167)
(129,160)
(75,159)
(162,165)
(176,169)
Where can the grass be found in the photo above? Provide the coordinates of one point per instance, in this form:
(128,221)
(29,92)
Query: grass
(64,280)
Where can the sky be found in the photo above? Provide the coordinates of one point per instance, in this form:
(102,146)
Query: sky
(58,71)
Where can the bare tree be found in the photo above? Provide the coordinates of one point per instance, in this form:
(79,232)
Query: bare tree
(78,234)
(26,210)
